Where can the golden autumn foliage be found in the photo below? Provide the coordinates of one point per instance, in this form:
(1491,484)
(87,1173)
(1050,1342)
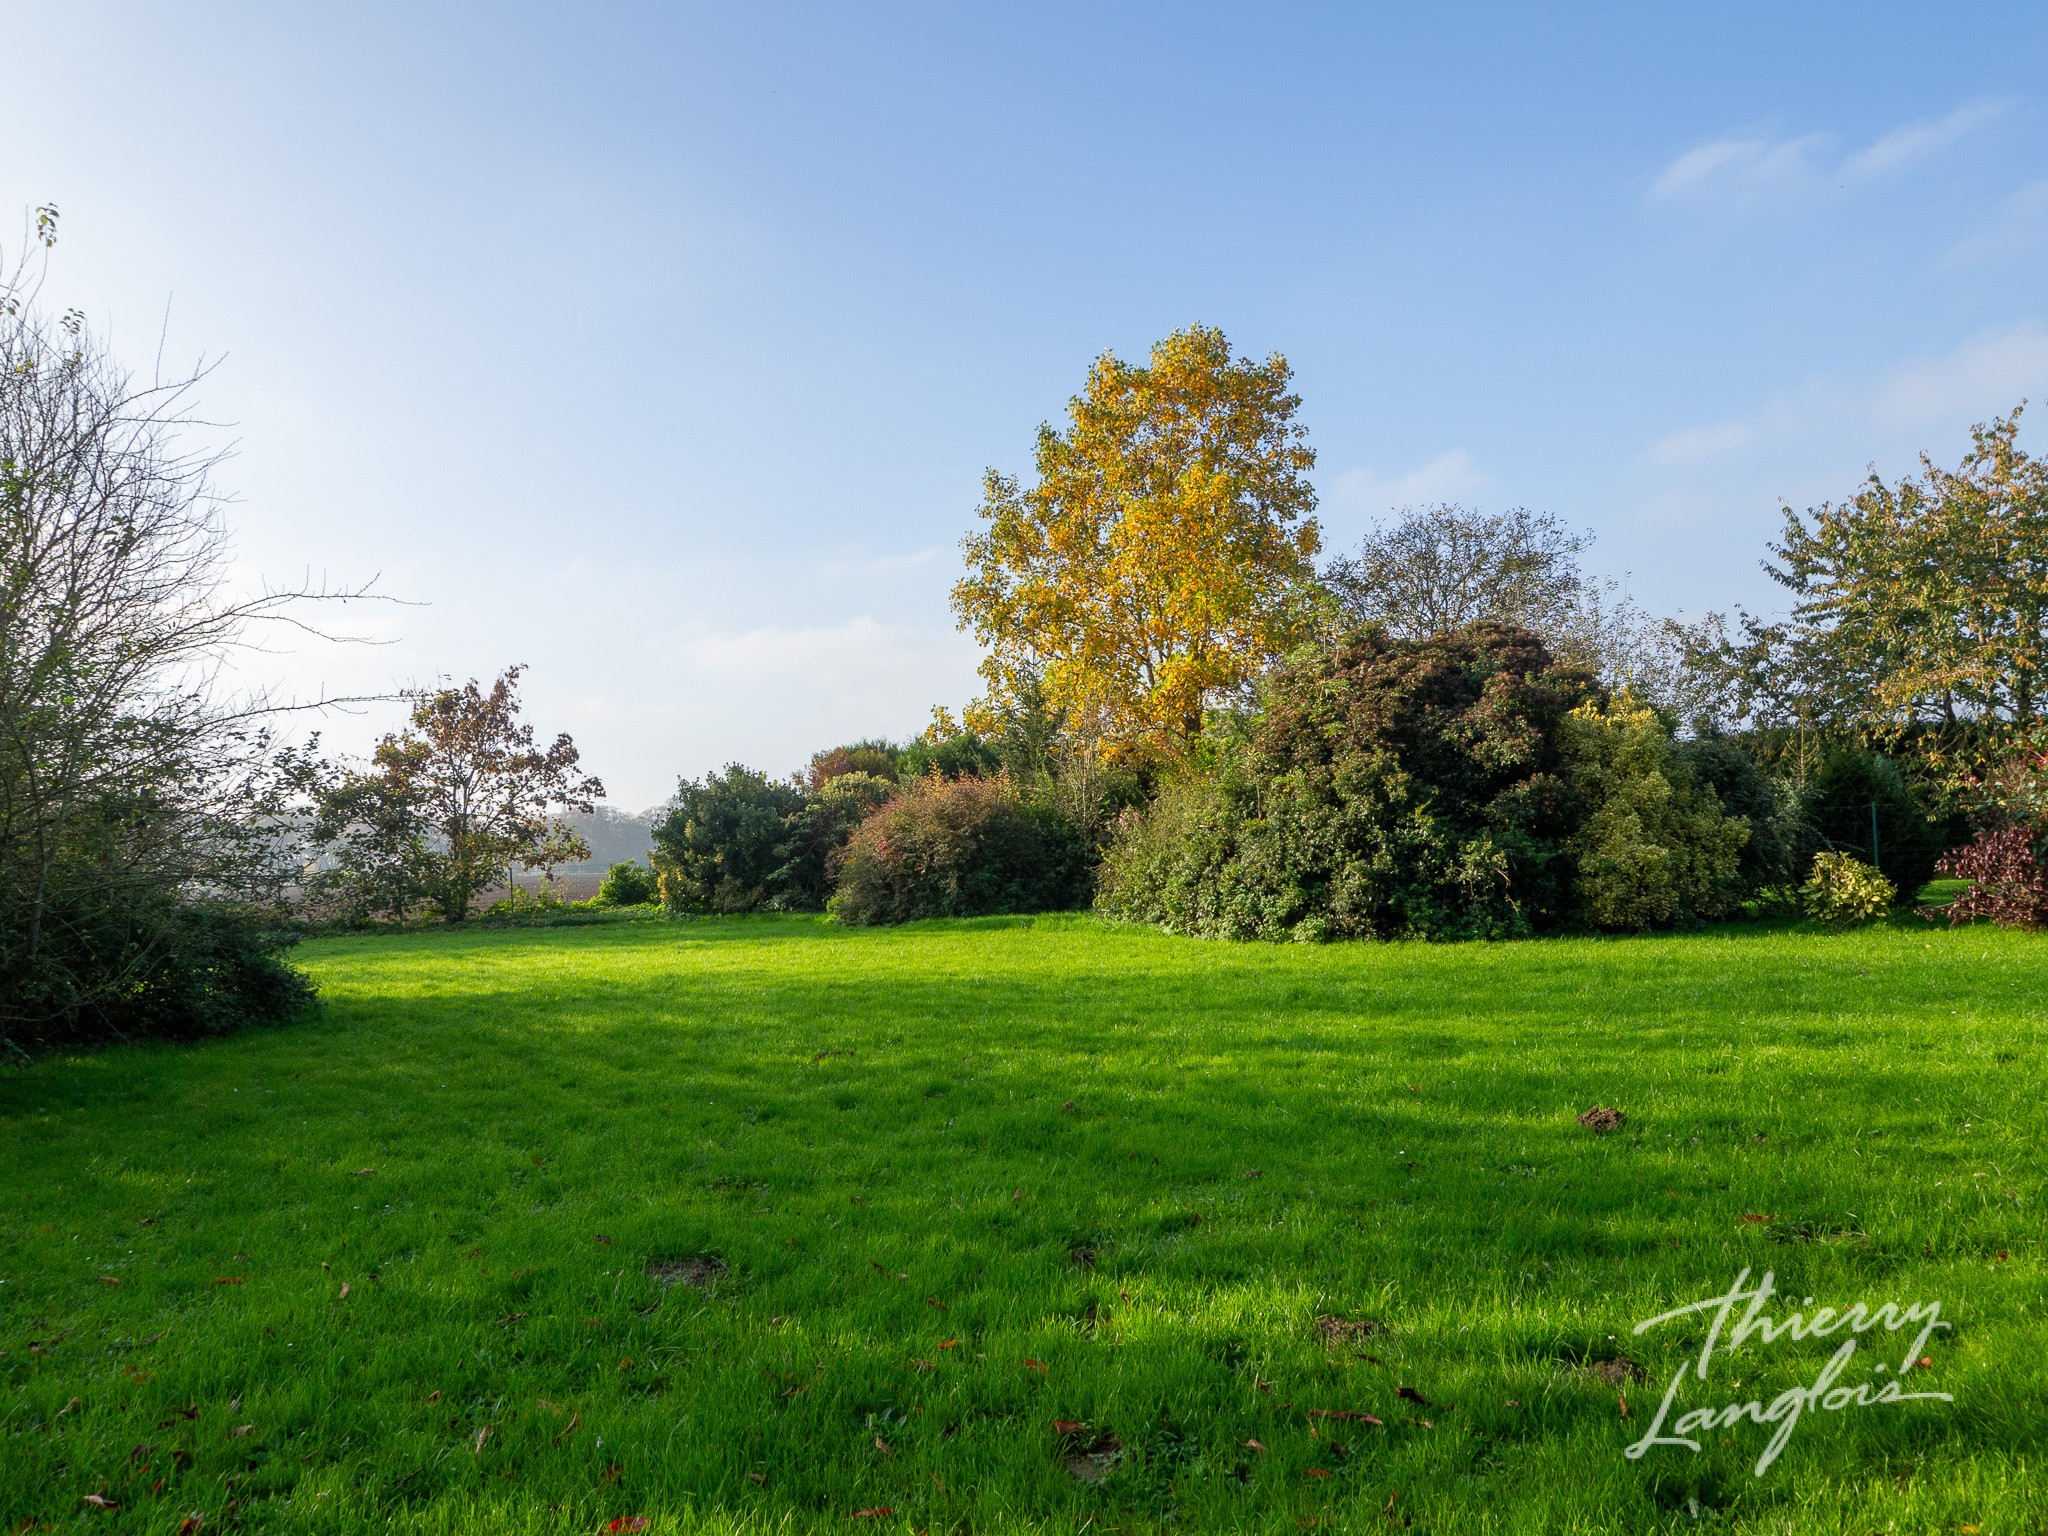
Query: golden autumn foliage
(1160,558)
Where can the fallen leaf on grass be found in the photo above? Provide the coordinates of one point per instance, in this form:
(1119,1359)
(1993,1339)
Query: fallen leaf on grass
(758,1477)
(1600,1120)
(612,1473)
(568,1429)
(920,1365)
(241,1431)
(1409,1394)
(1067,1427)
(1253,1445)
(2001,1255)
(1751,1218)
(1035,1365)
(99,1501)
(889,1274)
(1512,1403)
(189,1526)
(601,1238)
(933,1301)
(74,1403)
(879,1512)
(1353,1415)
(628,1523)
(1316,1472)
(481,1436)
(949,1343)
(883,1446)
(229,1279)
(1926,1362)
(108,1280)
(434,1396)
(344,1292)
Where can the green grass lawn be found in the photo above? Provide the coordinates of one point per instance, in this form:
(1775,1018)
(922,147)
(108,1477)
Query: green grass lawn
(762,1225)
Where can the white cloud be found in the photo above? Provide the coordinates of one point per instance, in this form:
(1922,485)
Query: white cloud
(1444,478)
(1755,168)
(1693,444)
(1917,141)
(1739,169)
(2020,226)
(1985,376)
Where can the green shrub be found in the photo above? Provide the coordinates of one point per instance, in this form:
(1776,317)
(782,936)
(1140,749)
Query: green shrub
(1746,790)
(1843,891)
(627,884)
(1653,847)
(964,847)
(1384,789)
(815,832)
(961,756)
(721,847)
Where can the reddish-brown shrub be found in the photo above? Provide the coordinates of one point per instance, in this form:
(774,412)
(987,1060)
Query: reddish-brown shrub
(2011,880)
(959,848)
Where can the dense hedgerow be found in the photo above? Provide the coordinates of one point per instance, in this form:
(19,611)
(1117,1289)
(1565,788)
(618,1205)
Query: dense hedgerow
(964,847)
(1466,787)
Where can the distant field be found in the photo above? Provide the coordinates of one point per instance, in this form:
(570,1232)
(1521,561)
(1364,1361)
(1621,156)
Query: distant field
(770,1225)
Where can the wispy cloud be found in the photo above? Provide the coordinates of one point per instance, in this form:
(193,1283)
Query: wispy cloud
(1908,146)
(1755,168)
(2019,226)
(1740,169)
(1985,376)
(1444,478)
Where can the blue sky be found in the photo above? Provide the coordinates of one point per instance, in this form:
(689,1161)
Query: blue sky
(662,347)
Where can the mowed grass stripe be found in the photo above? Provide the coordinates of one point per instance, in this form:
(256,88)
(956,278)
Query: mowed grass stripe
(927,1156)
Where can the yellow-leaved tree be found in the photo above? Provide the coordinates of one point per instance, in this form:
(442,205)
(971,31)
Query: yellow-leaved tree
(1163,554)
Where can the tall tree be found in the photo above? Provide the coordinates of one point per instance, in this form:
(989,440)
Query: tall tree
(1436,571)
(1925,601)
(1160,558)
(1441,569)
(461,794)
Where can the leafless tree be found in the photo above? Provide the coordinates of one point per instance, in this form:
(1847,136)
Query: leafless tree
(1436,570)
(132,776)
